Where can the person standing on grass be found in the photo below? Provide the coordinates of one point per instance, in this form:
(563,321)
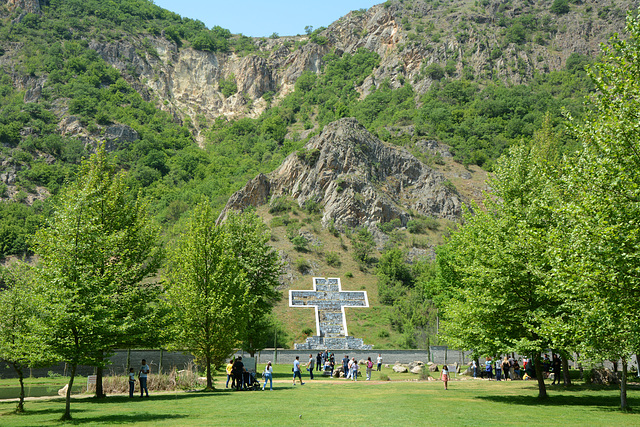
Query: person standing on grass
(379,362)
(238,370)
(229,373)
(474,366)
(556,366)
(487,365)
(349,372)
(319,361)
(498,369)
(132,381)
(505,368)
(354,370)
(142,376)
(345,366)
(369,367)
(444,376)
(296,371)
(268,375)
(310,366)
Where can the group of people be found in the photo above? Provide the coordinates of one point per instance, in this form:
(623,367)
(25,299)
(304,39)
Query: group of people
(511,368)
(143,372)
(235,372)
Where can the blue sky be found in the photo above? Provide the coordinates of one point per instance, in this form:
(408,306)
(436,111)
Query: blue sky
(258,18)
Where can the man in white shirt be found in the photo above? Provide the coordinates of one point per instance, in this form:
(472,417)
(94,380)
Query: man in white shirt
(142,375)
(379,361)
(296,370)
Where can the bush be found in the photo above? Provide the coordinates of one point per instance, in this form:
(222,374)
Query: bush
(434,71)
(333,259)
(349,274)
(300,243)
(312,207)
(302,265)
(279,204)
(560,7)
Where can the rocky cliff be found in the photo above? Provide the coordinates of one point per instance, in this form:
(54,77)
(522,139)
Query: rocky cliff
(358,179)
(488,40)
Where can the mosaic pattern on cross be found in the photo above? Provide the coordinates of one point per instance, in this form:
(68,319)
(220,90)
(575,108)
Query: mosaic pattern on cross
(329,301)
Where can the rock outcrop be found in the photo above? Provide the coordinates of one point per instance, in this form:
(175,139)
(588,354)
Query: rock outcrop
(469,42)
(28,6)
(359,180)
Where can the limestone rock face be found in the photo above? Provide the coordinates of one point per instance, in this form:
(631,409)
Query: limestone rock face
(28,6)
(359,179)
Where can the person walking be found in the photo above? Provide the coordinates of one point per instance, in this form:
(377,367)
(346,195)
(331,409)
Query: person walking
(296,371)
(379,362)
(310,366)
(444,376)
(369,367)
(229,370)
(142,376)
(268,376)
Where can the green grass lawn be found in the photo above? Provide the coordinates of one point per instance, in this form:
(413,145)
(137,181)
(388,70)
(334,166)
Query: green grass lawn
(337,401)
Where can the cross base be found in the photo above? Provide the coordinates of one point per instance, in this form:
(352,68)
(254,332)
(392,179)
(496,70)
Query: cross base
(333,343)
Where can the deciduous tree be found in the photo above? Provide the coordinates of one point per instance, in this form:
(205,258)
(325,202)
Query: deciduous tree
(207,290)
(94,254)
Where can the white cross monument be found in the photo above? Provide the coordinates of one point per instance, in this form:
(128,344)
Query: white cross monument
(329,300)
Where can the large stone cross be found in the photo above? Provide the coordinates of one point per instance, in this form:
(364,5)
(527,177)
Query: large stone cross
(329,301)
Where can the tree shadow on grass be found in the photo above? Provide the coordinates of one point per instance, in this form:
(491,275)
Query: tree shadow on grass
(563,398)
(159,397)
(127,418)
(29,411)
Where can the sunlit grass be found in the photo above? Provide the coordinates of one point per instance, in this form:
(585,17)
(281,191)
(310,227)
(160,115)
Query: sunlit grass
(336,401)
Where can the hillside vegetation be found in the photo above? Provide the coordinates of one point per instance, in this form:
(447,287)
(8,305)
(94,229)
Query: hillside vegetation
(476,76)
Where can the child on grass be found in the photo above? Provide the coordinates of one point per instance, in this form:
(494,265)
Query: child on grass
(445,376)
(132,381)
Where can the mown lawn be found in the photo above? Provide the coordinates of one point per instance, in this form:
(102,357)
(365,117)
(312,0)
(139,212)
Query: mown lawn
(336,401)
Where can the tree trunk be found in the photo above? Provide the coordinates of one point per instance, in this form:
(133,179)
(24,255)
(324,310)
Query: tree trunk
(623,386)
(18,369)
(209,379)
(99,389)
(67,409)
(542,388)
(565,370)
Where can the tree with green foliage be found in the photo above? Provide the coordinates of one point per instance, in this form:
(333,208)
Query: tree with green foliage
(261,267)
(207,290)
(499,267)
(598,245)
(94,254)
(22,343)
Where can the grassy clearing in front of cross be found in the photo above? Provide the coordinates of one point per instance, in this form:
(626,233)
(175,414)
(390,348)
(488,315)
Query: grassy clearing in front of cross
(333,401)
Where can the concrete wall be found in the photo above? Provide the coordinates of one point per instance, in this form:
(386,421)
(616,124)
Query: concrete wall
(436,354)
(388,356)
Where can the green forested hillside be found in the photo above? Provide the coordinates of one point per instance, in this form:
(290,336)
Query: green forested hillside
(59,98)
